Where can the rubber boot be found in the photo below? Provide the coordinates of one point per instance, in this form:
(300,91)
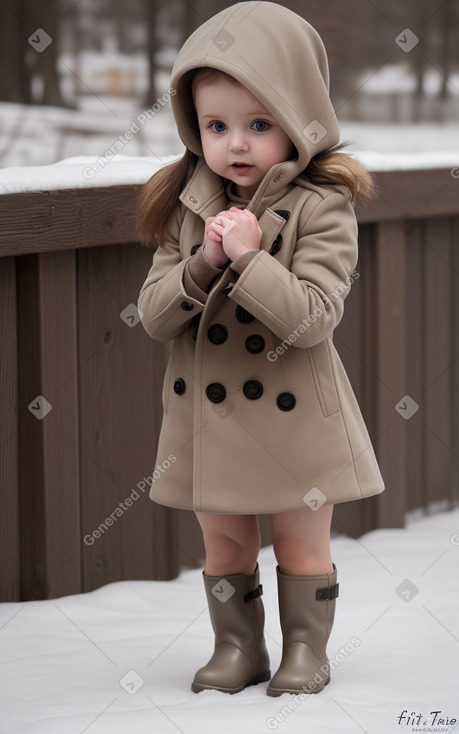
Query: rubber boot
(307,611)
(240,657)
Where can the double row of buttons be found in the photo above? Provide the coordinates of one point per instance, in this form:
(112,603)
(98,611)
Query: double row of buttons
(218,334)
(252,389)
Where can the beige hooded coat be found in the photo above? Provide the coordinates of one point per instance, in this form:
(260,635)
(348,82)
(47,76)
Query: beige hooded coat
(259,415)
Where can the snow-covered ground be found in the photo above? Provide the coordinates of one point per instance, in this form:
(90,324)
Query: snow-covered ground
(121,658)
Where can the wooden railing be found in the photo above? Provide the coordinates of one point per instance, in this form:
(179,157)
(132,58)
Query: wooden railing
(81,385)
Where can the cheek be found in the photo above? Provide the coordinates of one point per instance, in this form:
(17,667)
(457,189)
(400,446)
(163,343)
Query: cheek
(210,148)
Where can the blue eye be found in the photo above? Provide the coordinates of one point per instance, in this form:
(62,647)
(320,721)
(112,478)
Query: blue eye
(260,125)
(218,126)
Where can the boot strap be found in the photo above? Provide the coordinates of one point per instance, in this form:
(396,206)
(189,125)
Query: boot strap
(251,595)
(327,593)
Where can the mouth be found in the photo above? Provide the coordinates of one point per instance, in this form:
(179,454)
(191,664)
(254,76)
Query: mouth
(241,167)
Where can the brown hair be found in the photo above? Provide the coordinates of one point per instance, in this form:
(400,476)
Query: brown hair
(159,196)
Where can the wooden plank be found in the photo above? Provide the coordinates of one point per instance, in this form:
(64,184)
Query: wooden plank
(416,305)
(48,466)
(348,338)
(120,378)
(389,386)
(454,374)
(40,221)
(410,194)
(439,360)
(9,499)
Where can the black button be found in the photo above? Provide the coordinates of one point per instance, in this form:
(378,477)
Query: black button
(255,344)
(253,389)
(215,392)
(283,213)
(187,306)
(194,249)
(244,316)
(179,386)
(217,333)
(276,245)
(286,401)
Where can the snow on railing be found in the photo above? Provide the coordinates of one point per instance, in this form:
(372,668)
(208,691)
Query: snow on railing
(83,172)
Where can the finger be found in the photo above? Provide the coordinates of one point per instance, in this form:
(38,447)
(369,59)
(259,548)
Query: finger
(215,237)
(229,226)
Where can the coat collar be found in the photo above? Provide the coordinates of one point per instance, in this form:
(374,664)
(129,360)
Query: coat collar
(205,193)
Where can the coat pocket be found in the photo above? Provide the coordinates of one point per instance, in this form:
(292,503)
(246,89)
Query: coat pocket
(324,380)
(167,380)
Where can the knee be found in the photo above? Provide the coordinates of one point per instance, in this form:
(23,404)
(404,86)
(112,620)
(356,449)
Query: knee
(226,556)
(296,558)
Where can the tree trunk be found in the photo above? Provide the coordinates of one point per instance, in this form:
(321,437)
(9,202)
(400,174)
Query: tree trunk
(152,49)
(11,54)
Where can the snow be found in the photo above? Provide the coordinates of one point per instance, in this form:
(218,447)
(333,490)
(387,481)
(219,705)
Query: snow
(121,658)
(81,172)
(398,78)
(117,170)
(109,142)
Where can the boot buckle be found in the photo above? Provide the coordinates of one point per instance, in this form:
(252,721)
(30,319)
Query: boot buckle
(328,593)
(251,595)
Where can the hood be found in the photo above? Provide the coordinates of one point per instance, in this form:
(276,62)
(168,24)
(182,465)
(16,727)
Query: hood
(279,57)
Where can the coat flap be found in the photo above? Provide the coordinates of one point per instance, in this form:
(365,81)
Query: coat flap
(204,193)
(271,224)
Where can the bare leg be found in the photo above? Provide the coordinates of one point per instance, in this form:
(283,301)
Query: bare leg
(232,543)
(302,541)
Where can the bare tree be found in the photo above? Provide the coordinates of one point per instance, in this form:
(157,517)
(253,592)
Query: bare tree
(28,52)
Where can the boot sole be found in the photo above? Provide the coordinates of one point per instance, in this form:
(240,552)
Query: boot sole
(275,692)
(261,678)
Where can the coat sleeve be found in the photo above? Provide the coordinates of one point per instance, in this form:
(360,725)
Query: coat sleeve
(165,303)
(306,303)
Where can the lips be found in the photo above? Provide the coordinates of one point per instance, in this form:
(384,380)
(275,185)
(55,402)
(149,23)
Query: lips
(241,167)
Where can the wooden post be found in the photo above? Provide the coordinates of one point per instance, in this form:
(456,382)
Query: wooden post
(48,426)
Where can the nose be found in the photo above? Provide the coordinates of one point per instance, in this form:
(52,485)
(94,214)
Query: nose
(238,142)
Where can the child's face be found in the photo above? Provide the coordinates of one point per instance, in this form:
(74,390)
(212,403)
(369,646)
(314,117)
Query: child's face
(241,140)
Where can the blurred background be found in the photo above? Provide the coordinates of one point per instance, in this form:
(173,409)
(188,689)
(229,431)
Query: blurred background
(75,74)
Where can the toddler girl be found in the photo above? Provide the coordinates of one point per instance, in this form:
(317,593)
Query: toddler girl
(256,248)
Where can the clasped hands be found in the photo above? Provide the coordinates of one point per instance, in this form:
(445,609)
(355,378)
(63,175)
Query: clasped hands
(230,234)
